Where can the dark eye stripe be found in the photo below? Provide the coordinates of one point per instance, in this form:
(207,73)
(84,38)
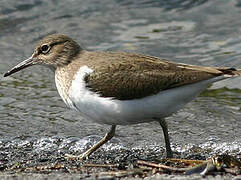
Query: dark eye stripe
(58,42)
(45,48)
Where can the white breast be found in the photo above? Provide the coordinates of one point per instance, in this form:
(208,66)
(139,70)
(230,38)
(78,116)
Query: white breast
(116,112)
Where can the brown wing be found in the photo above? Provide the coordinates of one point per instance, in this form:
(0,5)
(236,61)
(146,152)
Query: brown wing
(135,76)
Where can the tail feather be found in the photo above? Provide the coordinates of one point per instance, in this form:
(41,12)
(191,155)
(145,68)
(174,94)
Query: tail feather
(230,71)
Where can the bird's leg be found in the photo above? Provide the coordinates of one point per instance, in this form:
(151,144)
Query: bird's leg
(87,153)
(168,152)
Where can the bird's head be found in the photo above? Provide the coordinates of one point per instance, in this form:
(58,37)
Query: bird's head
(53,51)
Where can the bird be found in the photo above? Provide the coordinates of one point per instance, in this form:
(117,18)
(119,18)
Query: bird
(121,88)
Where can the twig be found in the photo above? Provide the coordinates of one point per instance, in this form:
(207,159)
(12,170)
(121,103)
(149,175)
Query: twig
(154,165)
(121,173)
(233,171)
(186,161)
(101,165)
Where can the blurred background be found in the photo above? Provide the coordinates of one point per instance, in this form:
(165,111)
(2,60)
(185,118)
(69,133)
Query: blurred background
(201,32)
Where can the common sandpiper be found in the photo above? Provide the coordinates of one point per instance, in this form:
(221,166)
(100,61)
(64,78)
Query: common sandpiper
(119,88)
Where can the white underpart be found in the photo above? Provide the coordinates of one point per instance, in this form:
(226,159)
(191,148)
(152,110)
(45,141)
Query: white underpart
(117,112)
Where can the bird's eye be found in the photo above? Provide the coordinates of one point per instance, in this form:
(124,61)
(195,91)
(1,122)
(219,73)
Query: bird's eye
(45,48)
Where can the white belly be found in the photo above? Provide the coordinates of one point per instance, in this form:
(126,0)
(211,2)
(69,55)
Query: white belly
(116,112)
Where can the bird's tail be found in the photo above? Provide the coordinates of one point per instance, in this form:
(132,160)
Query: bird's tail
(230,71)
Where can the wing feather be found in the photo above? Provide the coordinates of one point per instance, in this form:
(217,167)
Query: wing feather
(137,76)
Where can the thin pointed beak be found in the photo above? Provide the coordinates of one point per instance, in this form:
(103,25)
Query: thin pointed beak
(26,63)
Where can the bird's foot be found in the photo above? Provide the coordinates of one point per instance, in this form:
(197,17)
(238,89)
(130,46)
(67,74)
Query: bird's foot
(167,154)
(87,153)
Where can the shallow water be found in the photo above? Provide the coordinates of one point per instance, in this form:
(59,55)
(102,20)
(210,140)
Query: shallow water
(196,32)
